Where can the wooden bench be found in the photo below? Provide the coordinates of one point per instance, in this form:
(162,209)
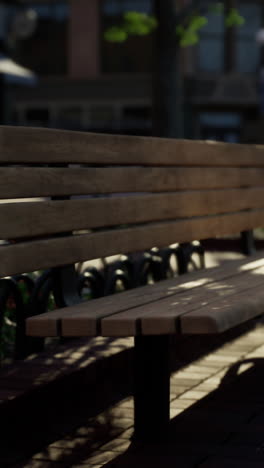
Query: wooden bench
(162,192)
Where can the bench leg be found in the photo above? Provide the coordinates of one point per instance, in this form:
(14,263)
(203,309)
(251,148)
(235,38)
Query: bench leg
(248,242)
(151,387)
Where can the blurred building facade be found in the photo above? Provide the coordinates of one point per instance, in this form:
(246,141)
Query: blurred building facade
(86,83)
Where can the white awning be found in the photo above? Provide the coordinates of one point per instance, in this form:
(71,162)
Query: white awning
(15,73)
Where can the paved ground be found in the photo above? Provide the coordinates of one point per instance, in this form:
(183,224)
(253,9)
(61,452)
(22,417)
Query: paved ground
(217,413)
(85,418)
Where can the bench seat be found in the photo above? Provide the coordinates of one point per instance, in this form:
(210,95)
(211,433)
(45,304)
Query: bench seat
(207,301)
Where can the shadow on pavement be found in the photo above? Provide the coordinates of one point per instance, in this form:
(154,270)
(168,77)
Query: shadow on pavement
(68,409)
(225,429)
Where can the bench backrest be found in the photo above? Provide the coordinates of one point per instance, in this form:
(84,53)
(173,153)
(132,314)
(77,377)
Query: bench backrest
(162,192)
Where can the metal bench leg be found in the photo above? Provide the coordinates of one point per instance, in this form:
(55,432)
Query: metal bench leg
(248,242)
(152,387)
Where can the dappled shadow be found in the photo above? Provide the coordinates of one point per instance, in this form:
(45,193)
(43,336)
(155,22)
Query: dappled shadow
(228,299)
(57,361)
(60,391)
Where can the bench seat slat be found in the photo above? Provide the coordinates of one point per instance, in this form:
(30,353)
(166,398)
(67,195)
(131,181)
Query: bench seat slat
(62,216)
(226,313)
(159,318)
(82,319)
(23,182)
(40,254)
(39,145)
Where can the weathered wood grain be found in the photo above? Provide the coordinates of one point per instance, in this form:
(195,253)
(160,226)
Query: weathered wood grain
(22,182)
(84,319)
(41,254)
(24,219)
(23,144)
(162,319)
(226,313)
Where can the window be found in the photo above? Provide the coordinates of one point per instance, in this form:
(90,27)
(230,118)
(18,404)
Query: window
(211,44)
(248,52)
(45,51)
(220,126)
(133,55)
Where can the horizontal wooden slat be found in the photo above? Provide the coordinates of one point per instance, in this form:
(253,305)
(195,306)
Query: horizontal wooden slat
(16,182)
(83,319)
(226,313)
(40,254)
(47,217)
(19,145)
(160,317)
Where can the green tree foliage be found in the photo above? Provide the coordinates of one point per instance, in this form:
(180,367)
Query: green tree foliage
(133,24)
(189,34)
(141,24)
(234,18)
